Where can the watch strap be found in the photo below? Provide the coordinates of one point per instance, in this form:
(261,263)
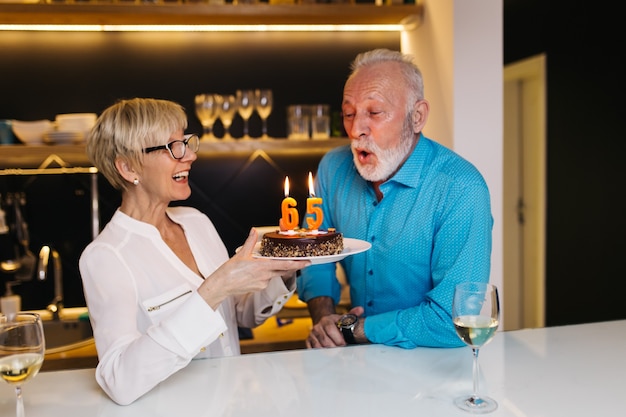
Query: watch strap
(348,335)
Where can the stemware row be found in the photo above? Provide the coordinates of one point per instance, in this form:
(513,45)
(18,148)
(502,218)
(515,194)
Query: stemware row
(211,107)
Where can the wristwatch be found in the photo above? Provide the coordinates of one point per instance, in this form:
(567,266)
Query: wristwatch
(346,324)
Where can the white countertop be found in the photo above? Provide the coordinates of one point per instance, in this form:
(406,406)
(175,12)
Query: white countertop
(561,371)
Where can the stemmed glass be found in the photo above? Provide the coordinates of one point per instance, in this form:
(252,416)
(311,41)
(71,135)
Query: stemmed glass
(22,348)
(476,314)
(208,110)
(245,107)
(263,105)
(228,110)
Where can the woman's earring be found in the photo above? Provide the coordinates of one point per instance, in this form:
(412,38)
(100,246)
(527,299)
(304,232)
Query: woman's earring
(136,181)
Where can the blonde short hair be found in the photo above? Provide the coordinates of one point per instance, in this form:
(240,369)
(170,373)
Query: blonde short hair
(127,127)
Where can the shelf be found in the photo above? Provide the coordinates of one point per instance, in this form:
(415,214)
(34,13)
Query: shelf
(18,159)
(205,14)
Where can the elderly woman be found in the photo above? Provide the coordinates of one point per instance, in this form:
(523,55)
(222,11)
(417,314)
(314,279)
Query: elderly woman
(158,282)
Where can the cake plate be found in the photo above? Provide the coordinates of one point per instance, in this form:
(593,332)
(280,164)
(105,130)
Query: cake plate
(350,247)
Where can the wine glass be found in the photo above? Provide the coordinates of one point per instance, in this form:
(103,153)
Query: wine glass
(208,110)
(245,107)
(22,348)
(228,109)
(263,105)
(476,314)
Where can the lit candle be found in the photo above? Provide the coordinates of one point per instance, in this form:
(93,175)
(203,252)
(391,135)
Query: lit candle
(290,216)
(314,212)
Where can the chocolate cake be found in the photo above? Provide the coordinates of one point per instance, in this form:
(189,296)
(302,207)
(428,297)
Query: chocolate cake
(301,243)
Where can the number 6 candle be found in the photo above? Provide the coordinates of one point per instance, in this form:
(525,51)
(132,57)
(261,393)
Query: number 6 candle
(289,212)
(314,212)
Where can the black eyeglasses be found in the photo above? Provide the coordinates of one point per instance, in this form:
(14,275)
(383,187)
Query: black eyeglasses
(178,148)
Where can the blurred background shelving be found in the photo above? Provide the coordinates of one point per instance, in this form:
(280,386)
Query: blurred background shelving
(197,13)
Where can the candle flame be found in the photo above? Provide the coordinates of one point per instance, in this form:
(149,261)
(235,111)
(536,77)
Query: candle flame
(311,190)
(286,186)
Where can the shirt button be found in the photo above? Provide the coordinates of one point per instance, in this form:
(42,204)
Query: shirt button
(203,349)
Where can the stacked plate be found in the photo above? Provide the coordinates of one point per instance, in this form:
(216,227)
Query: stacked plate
(71,128)
(62,138)
(76,122)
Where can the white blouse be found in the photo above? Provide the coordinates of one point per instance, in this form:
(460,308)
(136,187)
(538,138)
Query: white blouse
(147,317)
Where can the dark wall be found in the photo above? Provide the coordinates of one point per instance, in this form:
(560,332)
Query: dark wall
(586,223)
(44,74)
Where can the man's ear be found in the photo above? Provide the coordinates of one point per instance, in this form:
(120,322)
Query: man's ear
(420,115)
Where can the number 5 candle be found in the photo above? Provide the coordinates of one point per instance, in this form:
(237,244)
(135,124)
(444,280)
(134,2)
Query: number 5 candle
(289,212)
(314,212)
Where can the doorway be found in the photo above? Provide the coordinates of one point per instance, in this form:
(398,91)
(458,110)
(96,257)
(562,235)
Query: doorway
(524,193)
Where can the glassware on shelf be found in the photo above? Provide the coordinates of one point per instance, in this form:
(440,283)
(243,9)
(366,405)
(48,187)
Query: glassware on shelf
(263,106)
(298,121)
(320,121)
(208,110)
(245,107)
(228,109)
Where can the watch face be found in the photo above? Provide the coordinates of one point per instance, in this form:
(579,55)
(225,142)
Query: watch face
(347,320)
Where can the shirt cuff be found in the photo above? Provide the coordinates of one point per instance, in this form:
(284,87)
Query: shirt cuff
(192,326)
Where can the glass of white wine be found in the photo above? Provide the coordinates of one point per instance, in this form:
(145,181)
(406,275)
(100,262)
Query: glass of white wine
(476,315)
(263,104)
(22,349)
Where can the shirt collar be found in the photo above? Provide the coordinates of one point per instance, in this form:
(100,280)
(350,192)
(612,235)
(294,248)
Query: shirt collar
(143,228)
(411,170)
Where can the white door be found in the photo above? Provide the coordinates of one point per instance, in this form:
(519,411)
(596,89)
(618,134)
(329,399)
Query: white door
(524,195)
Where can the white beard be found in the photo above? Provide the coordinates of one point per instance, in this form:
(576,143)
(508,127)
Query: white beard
(389,160)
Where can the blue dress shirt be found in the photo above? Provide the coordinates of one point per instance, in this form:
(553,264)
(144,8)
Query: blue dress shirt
(431,231)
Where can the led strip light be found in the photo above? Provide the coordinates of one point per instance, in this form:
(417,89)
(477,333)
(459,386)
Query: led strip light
(203,28)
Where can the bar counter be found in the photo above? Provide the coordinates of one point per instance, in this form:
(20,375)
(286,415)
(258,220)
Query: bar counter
(577,370)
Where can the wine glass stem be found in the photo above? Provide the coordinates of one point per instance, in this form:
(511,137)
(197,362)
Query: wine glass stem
(475,371)
(264,131)
(245,128)
(19,412)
